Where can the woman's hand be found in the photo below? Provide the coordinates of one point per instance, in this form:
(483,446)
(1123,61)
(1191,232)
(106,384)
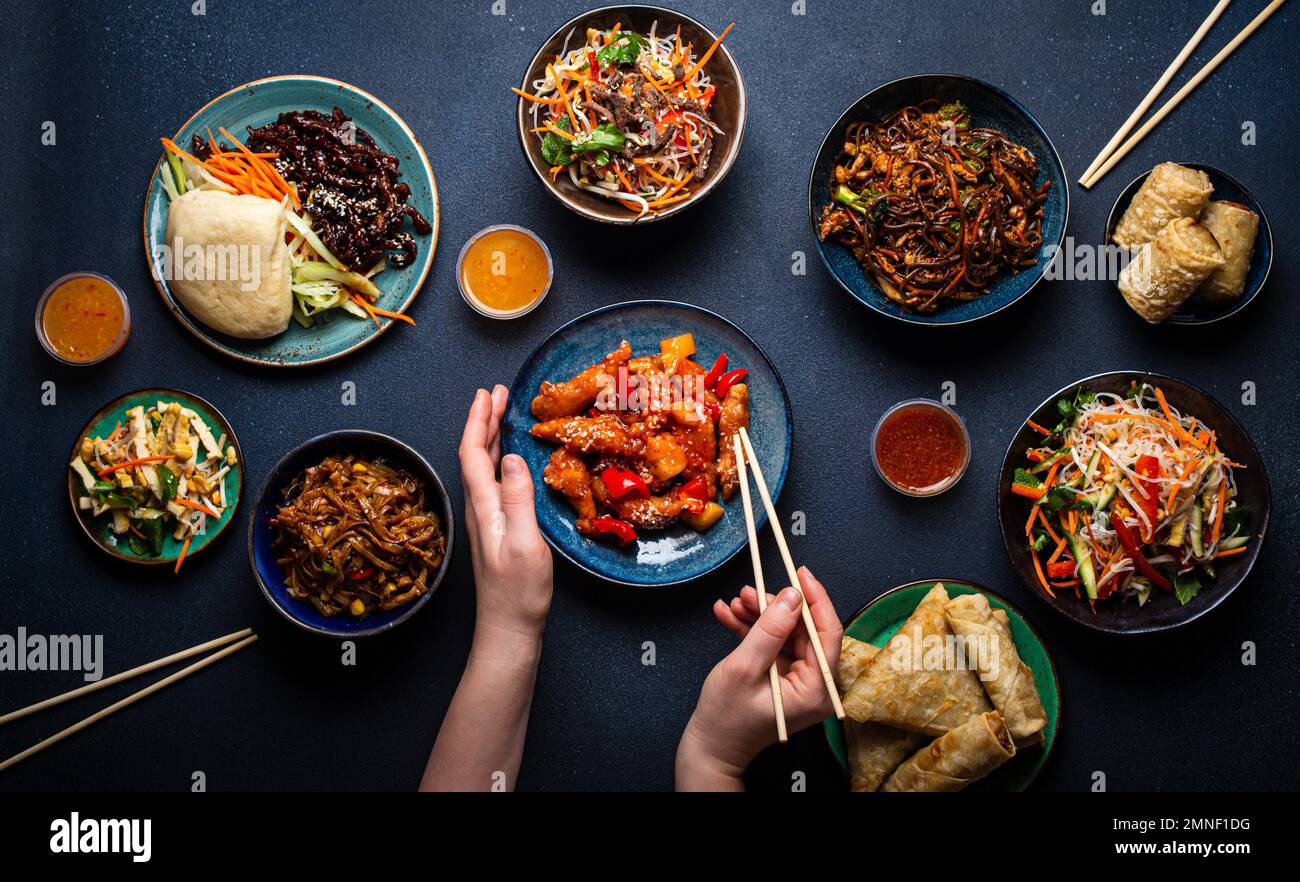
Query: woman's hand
(734,718)
(481,741)
(512,563)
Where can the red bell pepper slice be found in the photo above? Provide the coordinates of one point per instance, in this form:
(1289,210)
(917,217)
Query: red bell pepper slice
(706,97)
(1149,468)
(364,573)
(729,379)
(715,373)
(1133,550)
(594,67)
(607,525)
(620,482)
(697,488)
(1062,569)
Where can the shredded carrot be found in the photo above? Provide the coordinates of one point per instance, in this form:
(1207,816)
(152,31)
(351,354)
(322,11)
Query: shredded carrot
(180,559)
(564,96)
(537,98)
(1173,494)
(1218,514)
(1037,428)
(668,200)
(1038,568)
(375,311)
(1181,433)
(704,59)
(559,131)
(622,179)
(132,463)
(1231,551)
(197,507)
(1060,548)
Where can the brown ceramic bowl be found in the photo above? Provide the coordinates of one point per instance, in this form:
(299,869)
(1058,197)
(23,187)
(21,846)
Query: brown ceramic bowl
(728,110)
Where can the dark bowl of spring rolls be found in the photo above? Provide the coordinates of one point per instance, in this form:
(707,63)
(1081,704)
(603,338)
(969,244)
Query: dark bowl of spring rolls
(1195,245)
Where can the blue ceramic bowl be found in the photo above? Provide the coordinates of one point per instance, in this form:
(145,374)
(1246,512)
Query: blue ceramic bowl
(261,535)
(260,102)
(1227,188)
(990,107)
(677,554)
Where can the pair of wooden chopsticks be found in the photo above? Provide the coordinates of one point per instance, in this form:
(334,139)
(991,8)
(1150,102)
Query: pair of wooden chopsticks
(245,637)
(742,437)
(1107,159)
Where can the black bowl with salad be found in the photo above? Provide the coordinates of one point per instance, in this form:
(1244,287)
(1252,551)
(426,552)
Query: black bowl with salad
(1132,502)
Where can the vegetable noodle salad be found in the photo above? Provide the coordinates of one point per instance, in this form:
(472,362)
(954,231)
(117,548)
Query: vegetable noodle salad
(162,469)
(627,116)
(1129,495)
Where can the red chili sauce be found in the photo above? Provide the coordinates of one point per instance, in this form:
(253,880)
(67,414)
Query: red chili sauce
(920,448)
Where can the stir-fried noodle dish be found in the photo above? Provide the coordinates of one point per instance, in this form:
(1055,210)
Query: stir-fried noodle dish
(357,535)
(934,208)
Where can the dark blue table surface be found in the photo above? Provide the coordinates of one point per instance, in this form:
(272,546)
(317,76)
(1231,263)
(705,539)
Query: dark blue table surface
(1179,711)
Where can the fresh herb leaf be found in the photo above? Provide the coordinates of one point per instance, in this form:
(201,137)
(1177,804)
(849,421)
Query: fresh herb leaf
(1186,586)
(599,139)
(557,150)
(120,500)
(328,568)
(623,51)
(952,110)
(168,483)
(151,543)
(1040,541)
(1234,518)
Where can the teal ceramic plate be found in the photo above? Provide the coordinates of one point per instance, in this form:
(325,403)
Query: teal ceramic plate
(880,619)
(103,423)
(260,102)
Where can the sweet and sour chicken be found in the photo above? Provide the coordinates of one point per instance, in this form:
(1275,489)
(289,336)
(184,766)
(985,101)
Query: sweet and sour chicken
(644,441)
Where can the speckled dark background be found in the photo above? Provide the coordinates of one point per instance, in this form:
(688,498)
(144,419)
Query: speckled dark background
(1172,712)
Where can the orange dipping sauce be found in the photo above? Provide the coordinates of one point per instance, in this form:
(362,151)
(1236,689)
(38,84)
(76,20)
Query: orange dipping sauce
(504,271)
(920,448)
(83,319)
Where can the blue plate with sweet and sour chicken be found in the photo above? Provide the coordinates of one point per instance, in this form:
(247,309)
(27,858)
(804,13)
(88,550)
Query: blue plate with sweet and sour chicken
(625,416)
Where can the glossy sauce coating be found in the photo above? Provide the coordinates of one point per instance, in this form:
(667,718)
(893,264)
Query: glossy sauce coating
(920,447)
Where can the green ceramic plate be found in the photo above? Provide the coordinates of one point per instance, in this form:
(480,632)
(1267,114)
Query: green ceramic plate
(880,619)
(103,423)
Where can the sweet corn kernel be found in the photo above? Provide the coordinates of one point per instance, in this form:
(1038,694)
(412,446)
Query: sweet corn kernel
(390,588)
(359,468)
(357,608)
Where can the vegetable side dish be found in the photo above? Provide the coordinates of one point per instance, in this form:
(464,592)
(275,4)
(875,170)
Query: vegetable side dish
(645,441)
(626,115)
(1128,495)
(316,182)
(357,535)
(934,209)
(160,470)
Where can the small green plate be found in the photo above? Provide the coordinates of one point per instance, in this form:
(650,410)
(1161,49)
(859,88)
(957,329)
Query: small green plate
(102,423)
(880,619)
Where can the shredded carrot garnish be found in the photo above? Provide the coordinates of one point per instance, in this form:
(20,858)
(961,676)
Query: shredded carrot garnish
(180,559)
(1037,428)
(539,99)
(1176,427)
(1231,551)
(1060,548)
(704,59)
(197,507)
(132,463)
(1038,568)
(375,311)
(1218,514)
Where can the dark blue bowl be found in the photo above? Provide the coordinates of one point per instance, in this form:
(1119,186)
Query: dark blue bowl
(261,535)
(990,107)
(1261,261)
(677,554)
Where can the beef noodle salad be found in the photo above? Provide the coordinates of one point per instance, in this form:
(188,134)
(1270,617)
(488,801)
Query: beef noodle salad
(626,116)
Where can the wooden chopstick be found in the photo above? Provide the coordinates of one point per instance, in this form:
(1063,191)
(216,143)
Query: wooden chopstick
(793,574)
(1156,89)
(773,677)
(125,675)
(130,699)
(1182,93)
